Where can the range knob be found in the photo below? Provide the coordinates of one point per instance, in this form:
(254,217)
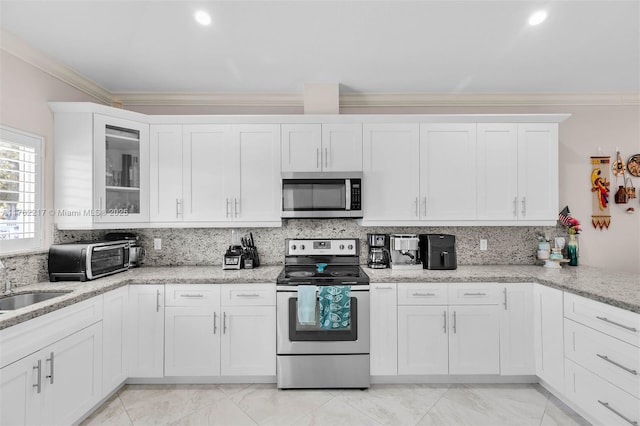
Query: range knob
(301,246)
(350,247)
(293,246)
(341,246)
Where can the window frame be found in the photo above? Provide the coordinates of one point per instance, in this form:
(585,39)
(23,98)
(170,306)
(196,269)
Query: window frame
(26,139)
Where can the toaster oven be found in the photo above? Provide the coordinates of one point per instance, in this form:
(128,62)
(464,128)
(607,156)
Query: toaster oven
(81,261)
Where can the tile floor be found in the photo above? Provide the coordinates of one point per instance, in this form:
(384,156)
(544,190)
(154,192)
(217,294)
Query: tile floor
(263,404)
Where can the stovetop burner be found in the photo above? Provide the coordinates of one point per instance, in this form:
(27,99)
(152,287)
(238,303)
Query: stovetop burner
(298,274)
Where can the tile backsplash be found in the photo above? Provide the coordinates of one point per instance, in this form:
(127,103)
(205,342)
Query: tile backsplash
(514,245)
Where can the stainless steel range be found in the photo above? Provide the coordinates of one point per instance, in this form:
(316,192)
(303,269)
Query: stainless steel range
(322,315)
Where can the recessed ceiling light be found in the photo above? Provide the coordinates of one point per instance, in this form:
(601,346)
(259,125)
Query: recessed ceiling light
(203,18)
(537,17)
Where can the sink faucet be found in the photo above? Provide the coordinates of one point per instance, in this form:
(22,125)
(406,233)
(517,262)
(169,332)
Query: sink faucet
(5,279)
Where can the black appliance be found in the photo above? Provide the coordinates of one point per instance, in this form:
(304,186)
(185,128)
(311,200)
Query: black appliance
(87,260)
(136,251)
(379,257)
(438,251)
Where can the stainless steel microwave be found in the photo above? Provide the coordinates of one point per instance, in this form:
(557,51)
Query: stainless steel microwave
(322,195)
(81,261)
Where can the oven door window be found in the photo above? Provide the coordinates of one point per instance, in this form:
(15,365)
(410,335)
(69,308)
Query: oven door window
(302,195)
(108,260)
(314,333)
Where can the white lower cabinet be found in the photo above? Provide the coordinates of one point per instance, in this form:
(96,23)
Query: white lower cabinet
(220,330)
(145,330)
(548,335)
(114,330)
(56,385)
(437,338)
(384,329)
(516,330)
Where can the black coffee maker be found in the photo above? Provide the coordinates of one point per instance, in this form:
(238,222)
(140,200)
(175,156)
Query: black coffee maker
(378,251)
(438,251)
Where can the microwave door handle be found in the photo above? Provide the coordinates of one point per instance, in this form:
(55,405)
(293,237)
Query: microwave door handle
(347,183)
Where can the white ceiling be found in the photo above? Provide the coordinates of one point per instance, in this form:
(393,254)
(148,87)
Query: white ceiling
(449,46)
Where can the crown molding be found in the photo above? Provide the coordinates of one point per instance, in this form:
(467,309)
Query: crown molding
(208,99)
(24,51)
(374,100)
(380,100)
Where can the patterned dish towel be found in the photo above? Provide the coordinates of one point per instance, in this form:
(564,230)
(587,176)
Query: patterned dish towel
(335,307)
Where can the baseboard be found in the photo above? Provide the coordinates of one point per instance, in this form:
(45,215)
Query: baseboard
(449,379)
(193,380)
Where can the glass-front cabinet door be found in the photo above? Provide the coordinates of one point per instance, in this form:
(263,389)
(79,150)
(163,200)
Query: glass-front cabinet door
(121,164)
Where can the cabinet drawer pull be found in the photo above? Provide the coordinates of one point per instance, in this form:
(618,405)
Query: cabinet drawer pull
(606,358)
(605,319)
(192,296)
(423,294)
(617,413)
(248,295)
(475,294)
(444,317)
(50,376)
(38,384)
(384,288)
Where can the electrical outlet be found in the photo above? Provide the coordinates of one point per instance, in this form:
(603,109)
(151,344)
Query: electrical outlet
(157,243)
(483,245)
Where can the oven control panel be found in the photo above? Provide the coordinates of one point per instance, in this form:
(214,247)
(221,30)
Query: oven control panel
(313,247)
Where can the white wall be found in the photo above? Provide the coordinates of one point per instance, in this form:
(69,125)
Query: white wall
(25,91)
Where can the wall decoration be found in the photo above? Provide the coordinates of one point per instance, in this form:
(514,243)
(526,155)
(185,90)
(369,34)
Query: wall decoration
(633,165)
(600,189)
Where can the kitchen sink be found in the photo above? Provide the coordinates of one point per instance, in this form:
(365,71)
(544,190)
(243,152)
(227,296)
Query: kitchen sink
(18,301)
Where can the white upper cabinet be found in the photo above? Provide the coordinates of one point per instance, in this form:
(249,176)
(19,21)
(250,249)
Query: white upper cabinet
(215,173)
(518,172)
(329,147)
(448,171)
(391,166)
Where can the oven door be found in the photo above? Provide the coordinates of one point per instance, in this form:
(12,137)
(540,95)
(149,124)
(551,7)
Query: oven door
(295,338)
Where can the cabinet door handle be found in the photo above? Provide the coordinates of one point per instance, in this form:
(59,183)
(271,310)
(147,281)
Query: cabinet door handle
(417,213)
(178,202)
(227,207)
(236,207)
(192,296)
(627,369)
(444,317)
(224,323)
(38,384)
(317,158)
(424,203)
(504,291)
(515,207)
(50,376)
(423,294)
(157,300)
(326,158)
(475,294)
(524,206)
(214,323)
(455,322)
(605,319)
(617,413)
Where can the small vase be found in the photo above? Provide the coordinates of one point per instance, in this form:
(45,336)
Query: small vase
(572,250)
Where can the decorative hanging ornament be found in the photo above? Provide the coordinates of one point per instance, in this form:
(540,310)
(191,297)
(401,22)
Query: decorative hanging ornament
(618,167)
(600,189)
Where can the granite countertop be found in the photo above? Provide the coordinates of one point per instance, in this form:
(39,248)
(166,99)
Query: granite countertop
(614,288)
